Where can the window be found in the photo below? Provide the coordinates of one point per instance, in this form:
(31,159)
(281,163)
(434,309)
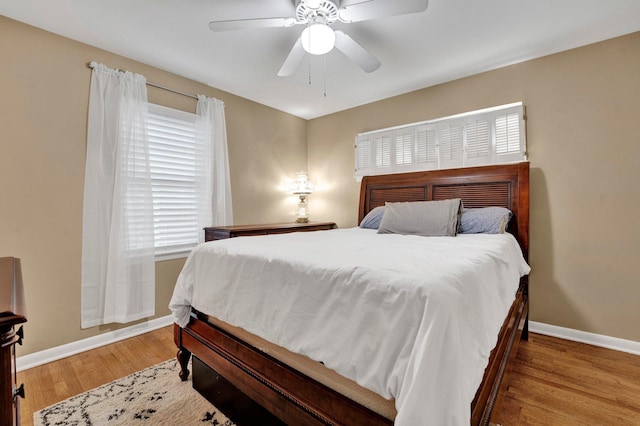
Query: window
(175,165)
(488,136)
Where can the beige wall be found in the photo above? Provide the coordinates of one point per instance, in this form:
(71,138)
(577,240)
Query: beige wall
(585,157)
(582,113)
(44,93)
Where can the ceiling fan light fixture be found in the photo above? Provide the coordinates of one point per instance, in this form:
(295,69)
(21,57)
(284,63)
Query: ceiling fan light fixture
(318,38)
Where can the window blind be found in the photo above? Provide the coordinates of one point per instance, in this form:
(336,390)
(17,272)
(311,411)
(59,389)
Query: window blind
(488,136)
(175,167)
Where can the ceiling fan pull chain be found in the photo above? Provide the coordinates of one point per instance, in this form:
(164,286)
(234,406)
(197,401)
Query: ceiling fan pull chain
(324,74)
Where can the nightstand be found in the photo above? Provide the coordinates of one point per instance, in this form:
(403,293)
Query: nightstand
(221,232)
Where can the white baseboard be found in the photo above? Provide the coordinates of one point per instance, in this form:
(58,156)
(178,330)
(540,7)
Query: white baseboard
(38,358)
(614,343)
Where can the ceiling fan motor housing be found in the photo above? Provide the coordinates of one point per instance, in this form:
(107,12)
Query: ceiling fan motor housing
(307,12)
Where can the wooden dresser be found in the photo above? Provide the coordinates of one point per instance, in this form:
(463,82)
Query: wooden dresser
(12,313)
(222,232)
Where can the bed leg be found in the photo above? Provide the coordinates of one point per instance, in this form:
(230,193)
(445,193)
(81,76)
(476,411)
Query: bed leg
(525,329)
(183,357)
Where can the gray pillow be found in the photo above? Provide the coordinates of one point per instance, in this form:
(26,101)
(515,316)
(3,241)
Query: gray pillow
(486,220)
(372,219)
(427,218)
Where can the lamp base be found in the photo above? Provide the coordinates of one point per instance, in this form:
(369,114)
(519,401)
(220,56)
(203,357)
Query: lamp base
(302,220)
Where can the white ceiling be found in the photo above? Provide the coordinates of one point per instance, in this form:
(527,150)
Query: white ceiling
(452,39)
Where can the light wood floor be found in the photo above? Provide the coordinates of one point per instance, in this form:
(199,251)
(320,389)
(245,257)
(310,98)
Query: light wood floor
(49,383)
(555,382)
(559,382)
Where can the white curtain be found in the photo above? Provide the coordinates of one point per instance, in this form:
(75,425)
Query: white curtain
(118,266)
(215,193)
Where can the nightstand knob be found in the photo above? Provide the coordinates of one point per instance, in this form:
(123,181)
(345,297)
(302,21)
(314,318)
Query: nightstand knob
(19,391)
(20,334)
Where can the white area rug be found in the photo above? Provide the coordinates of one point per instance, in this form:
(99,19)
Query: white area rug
(153,396)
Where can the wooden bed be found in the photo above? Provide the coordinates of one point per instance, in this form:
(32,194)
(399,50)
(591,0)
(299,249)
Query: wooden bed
(298,400)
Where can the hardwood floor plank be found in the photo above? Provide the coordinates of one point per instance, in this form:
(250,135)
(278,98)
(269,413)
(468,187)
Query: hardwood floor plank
(556,401)
(558,382)
(554,381)
(53,382)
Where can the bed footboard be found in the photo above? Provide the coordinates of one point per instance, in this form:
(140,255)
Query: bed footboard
(290,395)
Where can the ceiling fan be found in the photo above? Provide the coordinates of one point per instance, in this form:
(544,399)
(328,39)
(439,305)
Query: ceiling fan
(318,37)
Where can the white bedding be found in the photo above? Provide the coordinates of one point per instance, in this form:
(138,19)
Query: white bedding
(408,317)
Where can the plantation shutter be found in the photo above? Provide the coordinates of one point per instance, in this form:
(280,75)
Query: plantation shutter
(382,143)
(364,155)
(426,150)
(508,136)
(404,147)
(478,141)
(489,136)
(450,144)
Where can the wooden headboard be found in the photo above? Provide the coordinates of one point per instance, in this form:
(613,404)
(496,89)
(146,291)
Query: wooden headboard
(504,185)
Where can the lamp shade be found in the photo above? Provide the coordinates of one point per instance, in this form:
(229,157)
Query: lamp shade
(301,186)
(318,38)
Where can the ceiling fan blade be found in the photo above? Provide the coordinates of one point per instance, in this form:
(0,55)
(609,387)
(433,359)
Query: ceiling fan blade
(293,60)
(373,9)
(356,53)
(249,24)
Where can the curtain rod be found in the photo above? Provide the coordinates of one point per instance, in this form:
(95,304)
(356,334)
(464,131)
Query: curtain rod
(168,89)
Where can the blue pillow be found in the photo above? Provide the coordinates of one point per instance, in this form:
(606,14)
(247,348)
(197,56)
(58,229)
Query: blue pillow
(373,218)
(485,220)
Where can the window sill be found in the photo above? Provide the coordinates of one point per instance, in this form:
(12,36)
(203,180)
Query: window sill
(173,255)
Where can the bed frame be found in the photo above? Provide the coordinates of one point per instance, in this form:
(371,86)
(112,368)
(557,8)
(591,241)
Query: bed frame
(299,400)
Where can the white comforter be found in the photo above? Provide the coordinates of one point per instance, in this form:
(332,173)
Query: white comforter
(408,317)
